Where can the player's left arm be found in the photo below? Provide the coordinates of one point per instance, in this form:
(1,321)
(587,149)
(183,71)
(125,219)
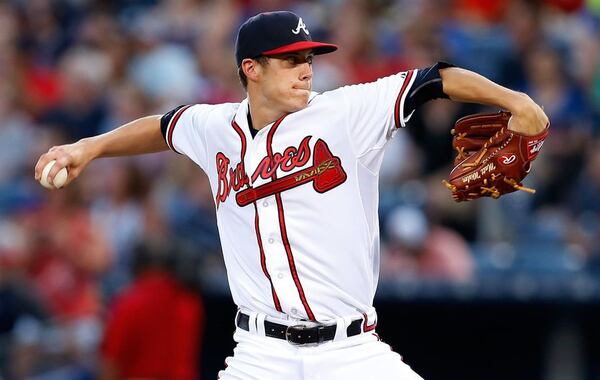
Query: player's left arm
(463,85)
(443,80)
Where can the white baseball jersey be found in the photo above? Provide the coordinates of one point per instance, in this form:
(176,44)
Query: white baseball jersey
(297,204)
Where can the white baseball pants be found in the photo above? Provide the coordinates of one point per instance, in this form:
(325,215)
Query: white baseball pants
(359,357)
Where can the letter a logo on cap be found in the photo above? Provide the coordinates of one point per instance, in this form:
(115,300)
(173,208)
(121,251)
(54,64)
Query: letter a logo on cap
(300,26)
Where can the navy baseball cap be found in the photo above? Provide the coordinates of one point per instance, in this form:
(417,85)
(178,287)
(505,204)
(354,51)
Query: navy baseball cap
(273,33)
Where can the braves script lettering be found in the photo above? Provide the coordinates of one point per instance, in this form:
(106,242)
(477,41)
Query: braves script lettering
(230,178)
(291,158)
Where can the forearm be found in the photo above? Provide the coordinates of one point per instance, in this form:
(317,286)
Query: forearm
(140,136)
(137,137)
(466,86)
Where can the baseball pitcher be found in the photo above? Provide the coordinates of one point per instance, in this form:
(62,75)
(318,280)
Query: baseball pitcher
(294,176)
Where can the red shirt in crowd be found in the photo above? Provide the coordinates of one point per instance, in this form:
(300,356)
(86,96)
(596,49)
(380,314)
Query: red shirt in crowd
(155,330)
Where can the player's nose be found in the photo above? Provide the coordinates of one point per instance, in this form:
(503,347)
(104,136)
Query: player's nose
(306,72)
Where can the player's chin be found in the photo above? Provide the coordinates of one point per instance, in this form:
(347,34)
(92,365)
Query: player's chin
(298,100)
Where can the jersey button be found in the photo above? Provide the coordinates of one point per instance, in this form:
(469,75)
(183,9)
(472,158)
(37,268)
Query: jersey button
(280,276)
(271,240)
(265,203)
(294,310)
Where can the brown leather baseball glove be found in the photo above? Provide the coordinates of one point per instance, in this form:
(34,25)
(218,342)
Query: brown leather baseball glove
(491,160)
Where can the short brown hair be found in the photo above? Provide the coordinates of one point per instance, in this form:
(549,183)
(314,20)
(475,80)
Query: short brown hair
(262,60)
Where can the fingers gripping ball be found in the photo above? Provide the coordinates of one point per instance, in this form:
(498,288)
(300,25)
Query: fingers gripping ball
(59,179)
(492,160)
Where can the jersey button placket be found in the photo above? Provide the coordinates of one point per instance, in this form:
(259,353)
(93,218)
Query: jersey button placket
(275,256)
(275,253)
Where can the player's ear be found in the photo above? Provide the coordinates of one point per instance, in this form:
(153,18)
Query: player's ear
(251,68)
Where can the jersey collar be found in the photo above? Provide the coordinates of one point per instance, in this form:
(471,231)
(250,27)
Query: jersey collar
(241,116)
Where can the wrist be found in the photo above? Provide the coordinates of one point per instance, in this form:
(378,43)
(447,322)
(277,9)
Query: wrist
(528,118)
(520,104)
(90,148)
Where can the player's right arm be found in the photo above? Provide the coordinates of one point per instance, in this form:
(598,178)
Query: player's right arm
(137,137)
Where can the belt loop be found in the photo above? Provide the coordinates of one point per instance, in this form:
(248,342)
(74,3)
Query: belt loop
(340,330)
(372,316)
(369,321)
(237,315)
(260,324)
(252,322)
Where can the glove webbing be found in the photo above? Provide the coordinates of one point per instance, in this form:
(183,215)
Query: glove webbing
(460,149)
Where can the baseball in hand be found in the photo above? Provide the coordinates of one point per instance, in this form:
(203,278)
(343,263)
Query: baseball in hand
(59,179)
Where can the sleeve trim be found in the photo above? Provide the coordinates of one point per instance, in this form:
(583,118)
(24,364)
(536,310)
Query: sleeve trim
(171,127)
(399,119)
(422,85)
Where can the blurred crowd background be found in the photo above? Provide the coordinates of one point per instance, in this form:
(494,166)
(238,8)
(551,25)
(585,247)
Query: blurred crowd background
(69,69)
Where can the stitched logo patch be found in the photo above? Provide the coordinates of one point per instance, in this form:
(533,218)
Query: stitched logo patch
(533,148)
(507,159)
(300,27)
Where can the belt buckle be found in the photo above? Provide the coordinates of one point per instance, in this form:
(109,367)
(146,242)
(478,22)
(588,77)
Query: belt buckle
(289,337)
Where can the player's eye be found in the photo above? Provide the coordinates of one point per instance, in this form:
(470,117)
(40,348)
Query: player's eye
(292,60)
(298,60)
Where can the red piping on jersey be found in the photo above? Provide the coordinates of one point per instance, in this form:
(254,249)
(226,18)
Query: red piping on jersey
(173,124)
(263,262)
(284,237)
(397,120)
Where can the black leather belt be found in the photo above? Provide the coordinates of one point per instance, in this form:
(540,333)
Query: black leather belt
(299,334)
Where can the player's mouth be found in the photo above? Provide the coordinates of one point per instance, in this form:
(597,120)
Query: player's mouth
(302,89)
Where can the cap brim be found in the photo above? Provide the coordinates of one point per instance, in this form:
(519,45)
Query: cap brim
(317,47)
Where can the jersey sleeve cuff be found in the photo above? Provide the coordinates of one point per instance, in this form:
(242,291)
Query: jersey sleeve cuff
(400,119)
(444,65)
(168,123)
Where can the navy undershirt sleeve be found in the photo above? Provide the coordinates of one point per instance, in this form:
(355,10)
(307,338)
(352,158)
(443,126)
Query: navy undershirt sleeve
(166,118)
(427,86)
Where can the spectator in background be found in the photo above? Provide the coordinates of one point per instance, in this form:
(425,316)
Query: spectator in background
(565,104)
(67,239)
(220,19)
(164,70)
(156,324)
(550,82)
(125,101)
(418,249)
(430,133)
(585,209)
(17,145)
(64,255)
(118,210)
(191,212)
(360,60)
(83,75)
(475,39)
(19,310)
